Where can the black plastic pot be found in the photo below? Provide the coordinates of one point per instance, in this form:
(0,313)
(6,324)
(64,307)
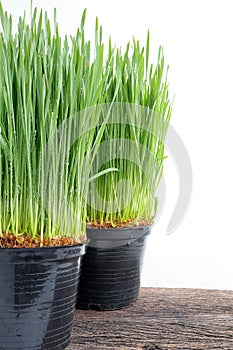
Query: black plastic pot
(110,276)
(38,288)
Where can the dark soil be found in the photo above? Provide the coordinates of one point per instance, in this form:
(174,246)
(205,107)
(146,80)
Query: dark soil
(118,224)
(26,241)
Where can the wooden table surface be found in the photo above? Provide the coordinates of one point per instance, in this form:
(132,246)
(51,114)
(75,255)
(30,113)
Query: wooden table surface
(162,319)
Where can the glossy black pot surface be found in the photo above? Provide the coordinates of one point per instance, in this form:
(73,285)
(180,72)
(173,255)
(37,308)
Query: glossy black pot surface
(110,276)
(38,288)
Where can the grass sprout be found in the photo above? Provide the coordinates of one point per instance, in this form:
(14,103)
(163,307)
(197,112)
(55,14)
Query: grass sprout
(133,140)
(45,81)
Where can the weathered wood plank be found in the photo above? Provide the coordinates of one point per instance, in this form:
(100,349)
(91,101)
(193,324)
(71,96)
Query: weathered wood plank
(162,319)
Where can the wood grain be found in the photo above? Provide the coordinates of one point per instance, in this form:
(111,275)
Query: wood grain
(162,319)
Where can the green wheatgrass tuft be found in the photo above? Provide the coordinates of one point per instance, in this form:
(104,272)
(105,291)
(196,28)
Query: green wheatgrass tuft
(143,99)
(44,80)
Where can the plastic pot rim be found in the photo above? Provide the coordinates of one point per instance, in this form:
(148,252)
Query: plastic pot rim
(108,238)
(45,248)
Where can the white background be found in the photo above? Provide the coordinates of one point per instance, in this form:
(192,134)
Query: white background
(198,38)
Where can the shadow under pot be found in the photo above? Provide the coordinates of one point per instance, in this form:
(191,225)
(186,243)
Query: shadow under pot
(111,268)
(38,288)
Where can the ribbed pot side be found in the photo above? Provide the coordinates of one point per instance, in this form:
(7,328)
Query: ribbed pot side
(38,289)
(110,277)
